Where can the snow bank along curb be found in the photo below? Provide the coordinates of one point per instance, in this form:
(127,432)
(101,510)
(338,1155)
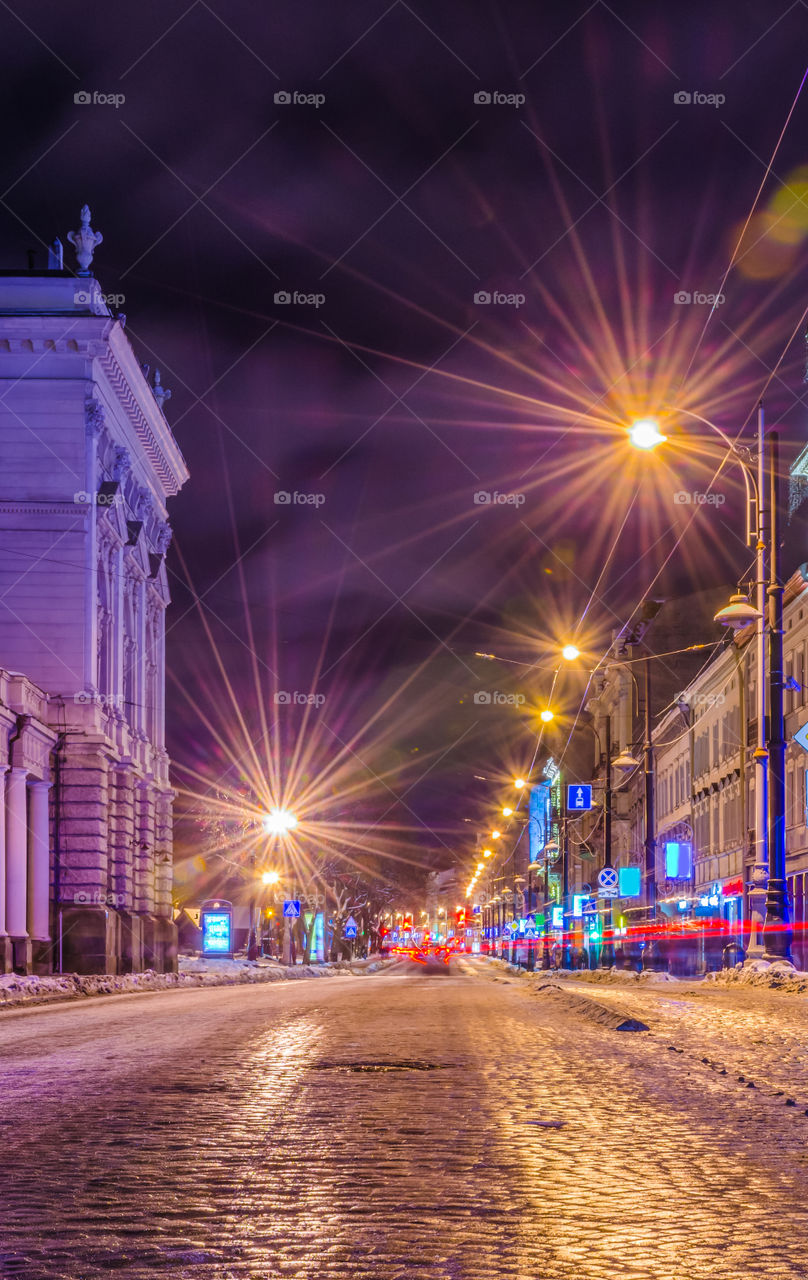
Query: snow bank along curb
(17,991)
(609,1016)
(627,977)
(774,975)
(763,973)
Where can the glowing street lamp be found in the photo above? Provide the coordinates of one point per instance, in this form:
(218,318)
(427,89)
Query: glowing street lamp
(486,853)
(279,822)
(507,811)
(547,715)
(645,434)
(495,835)
(570,652)
(519,783)
(768,895)
(270,877)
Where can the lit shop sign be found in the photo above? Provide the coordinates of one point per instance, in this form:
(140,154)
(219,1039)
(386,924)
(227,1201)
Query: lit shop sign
(558,917)
(678,860)
(713,898)
(630,882)
(551,770)
(217,928)
(578,901)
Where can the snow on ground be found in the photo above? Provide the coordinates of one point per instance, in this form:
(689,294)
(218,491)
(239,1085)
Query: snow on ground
(776,975)
(404,1128)
(16,989)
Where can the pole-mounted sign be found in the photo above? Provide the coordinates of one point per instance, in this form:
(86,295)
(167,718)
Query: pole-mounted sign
(579,796)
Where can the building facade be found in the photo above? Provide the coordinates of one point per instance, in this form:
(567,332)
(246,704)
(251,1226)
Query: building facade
(89,466)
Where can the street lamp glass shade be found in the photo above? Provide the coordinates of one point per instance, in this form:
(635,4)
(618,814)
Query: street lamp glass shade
(519,783)
(270,877)
(495,835)
(645,434)
(507,811)
(546,715)
(626,761)
(486,853)
(480,866)
(278,822)
(738,613)
(570,652)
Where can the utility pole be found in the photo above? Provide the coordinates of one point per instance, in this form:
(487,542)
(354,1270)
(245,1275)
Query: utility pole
(651,955)
(566,949)
(607,951)
(777,931)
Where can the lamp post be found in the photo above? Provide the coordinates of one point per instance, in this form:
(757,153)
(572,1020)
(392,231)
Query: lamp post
(770,931)
(652,958)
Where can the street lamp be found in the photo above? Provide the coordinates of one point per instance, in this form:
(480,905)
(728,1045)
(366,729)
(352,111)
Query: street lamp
(771,936)
(547,715)
(570,652)
(645,434)
(279,822)
(626,761)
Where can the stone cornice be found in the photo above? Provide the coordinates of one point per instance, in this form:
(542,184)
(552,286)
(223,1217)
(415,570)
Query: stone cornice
(148,422)
(102,339)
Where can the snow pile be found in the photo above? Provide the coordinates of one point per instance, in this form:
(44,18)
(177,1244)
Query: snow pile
(625,977)
(16,989)
(614,1018)
(775,974)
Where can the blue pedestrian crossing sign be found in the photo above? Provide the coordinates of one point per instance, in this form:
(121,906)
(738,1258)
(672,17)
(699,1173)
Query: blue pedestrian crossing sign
(291,908)
(579,795)
(801,737)
(350,928)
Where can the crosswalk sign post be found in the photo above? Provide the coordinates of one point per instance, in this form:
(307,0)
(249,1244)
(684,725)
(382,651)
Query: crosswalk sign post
(291,908)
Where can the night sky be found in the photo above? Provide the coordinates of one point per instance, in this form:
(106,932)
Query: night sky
(582,195)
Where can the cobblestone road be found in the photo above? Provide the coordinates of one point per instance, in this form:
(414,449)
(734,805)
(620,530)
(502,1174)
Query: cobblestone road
(246,1134)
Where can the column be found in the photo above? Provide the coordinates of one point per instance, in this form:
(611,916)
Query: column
(17,854)
(39,863)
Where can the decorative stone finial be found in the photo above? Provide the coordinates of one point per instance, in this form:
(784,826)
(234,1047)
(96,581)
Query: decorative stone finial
(85,241)
(161,393)
(55,256)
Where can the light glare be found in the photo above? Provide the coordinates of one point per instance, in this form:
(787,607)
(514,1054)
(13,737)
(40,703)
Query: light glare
(278,822)
(645,434)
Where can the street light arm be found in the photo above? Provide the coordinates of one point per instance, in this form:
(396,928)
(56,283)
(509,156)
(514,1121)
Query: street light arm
(750,480)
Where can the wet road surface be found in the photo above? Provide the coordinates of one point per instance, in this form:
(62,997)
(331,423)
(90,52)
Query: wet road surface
(255,1133)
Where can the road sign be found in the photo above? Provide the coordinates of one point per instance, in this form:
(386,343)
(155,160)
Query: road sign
(579,796)
(530,930)
(801,737)
(350,923)
(349,931)
(607,878)
(291,908)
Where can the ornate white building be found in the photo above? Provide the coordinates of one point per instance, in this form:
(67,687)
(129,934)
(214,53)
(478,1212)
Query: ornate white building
(89,463)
